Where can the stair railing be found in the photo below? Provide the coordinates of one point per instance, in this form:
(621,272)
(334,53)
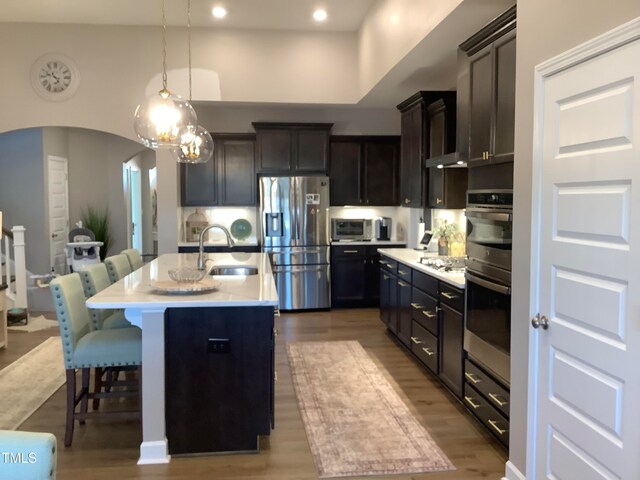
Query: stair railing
(13,268)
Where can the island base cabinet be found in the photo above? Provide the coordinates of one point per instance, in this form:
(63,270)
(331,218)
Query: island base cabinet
(219,376)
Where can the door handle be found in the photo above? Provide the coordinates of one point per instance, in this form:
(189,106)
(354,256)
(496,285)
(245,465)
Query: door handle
(417,306)
(540,322)
(416,340)
(449,296)
(495,398)
(494,424)
(469,400)
(438,201)
(427,351)
(402,284)
(350,251)
(472,378)
(428,314)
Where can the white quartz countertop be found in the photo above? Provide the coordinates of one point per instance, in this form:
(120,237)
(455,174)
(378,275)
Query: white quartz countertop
(135,291)
(411,258)
(367,242)
(217,244)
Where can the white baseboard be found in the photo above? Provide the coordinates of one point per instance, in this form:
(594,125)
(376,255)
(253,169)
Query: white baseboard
(512,473)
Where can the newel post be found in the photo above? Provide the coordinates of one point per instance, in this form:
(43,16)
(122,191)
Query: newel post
(20,265)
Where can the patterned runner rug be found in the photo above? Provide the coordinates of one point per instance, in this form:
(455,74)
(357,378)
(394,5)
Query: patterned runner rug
(29,382)
(356,423)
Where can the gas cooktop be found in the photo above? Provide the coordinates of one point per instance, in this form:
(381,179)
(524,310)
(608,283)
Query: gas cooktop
(445,264)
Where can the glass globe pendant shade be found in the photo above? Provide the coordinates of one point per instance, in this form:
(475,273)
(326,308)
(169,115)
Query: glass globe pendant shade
(158,120)
(196,146)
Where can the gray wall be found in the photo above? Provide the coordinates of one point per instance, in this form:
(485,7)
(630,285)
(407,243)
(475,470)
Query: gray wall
(95,178)
(22,193)
(566,25)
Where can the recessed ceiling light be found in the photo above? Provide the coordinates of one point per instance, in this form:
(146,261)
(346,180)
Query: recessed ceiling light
(320,15)
(441,166)
(460,162)
(219,12)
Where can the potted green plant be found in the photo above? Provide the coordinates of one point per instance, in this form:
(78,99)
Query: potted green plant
(98,222)
(444,232)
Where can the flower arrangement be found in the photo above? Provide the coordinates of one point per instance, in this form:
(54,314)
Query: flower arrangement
(445,231)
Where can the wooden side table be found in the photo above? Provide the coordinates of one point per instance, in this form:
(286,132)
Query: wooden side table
(3,317)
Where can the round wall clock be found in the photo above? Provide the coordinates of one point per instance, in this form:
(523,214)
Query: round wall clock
(54,77)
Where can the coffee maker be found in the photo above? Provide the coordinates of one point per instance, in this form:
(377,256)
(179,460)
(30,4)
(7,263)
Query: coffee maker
(383,228)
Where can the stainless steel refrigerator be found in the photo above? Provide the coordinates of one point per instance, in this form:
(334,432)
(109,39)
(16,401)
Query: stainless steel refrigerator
(294,213)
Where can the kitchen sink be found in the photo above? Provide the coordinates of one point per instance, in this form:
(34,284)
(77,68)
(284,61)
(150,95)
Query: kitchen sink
(234,271)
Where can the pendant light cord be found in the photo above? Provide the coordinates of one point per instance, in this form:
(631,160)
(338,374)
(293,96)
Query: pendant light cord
(164,49)
(189,32)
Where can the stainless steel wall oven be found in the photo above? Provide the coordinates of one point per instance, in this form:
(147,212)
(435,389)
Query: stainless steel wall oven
(487,335)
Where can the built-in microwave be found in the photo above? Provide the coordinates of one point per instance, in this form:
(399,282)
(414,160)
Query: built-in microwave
(351,229)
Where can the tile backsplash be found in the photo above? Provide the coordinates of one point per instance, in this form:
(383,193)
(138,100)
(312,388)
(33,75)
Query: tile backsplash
(224,216)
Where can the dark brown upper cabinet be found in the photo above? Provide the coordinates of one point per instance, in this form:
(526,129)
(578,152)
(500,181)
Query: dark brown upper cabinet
(292,148)
(228,179)
(447,187)
(442,131)
(415,144)
(364,170)
(486,93)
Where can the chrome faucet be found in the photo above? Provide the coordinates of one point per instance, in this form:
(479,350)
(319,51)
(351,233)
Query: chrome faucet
(230,242)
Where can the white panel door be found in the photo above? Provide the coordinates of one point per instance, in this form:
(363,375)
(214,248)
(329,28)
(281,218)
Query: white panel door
(588,387)
(58,211)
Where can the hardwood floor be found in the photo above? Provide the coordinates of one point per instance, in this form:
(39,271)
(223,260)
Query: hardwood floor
(107,449)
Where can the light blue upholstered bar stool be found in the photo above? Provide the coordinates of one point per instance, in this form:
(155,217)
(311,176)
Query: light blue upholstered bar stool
(84,349)
(134,257)
(38,454)
(95,278)
(118,267)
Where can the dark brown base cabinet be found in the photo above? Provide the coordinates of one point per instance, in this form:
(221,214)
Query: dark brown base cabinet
(488,400)
(427,316)
(355,276)
(219,378)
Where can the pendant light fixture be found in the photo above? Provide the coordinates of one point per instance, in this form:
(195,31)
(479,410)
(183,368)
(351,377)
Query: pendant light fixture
(196,145)
(159,119)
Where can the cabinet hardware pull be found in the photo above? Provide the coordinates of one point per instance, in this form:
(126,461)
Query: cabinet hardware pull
(428,314)
(406,200)
(402,284)
(470,402)
(364,261)
(275,376)
(495,398)
(417,306)
(494,424)
(438,201)
(275,332)
(472,378)
(449,296)
(416,340)
(438,309)
(386,277)
(276,311)
(427,351)
(350,251)
(402,272)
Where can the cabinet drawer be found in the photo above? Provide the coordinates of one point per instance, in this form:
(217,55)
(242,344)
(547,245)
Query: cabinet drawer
(349,251)
(496,394)
(452,297)
(404,272)
(488,415)
(388,264)
(424,346)
(424,310)
(426,283)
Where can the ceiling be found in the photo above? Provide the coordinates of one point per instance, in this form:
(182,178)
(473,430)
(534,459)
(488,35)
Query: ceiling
(344,15)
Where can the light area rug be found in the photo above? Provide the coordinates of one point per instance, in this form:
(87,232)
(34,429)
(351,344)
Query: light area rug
(355,422)
(29,381)
(34,324)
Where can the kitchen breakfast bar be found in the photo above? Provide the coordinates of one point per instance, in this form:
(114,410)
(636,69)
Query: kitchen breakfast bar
(207,357)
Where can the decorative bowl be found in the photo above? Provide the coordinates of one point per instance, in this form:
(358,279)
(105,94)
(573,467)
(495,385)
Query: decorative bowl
(186,275)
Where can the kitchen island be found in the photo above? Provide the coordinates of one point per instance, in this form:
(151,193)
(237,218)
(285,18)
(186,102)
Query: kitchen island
(207,358)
